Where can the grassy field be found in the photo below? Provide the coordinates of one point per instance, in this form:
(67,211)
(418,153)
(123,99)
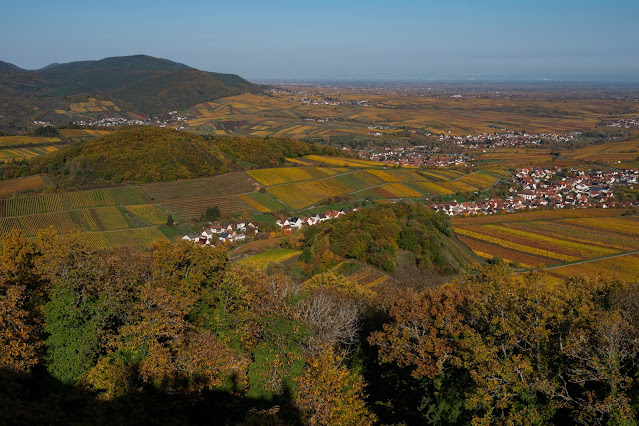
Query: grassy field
(550,237)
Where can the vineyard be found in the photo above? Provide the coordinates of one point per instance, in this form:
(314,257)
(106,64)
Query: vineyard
(149,213)
(279,175)
(132,238)
(623,267)
(15,141)
(29,183)
(221,185)
(25,153)
(261,261)
(195,207)
(344,162)
(550,237)
(262,202)
(305,194)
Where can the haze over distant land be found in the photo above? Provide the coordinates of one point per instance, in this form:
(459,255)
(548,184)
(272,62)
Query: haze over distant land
(565,40)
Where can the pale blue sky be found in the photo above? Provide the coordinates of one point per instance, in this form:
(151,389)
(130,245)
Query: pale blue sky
(593,40)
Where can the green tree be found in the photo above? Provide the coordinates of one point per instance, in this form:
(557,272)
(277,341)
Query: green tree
(212,213)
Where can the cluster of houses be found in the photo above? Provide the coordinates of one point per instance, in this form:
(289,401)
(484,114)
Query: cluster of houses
(292,223)
(544,188)
(511,139)
(225,234)
(417,156)
(167,119)
(628,123)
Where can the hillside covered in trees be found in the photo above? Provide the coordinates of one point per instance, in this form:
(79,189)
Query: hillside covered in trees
(181,334)
(139,84)
(139,154)
(375,236)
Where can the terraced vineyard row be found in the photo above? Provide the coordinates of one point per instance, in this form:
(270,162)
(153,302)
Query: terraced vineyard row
(29,183)
(551,237)
(378,183)
(194,207)
(87,220)
(132,238)
(25,206)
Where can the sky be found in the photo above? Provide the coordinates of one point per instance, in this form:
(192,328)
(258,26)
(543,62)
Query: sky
(356,39)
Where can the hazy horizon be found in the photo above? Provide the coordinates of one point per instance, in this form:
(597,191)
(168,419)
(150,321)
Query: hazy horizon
(285,40)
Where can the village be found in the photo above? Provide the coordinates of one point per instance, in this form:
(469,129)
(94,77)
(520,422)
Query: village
(627,123)
(170,118)
(501,140)
(418,156)
(237,232)
(555,188)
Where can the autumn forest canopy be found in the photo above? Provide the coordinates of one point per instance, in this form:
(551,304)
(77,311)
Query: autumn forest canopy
(179,332)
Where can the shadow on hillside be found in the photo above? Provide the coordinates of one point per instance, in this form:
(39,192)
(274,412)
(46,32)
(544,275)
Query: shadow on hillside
(41,399)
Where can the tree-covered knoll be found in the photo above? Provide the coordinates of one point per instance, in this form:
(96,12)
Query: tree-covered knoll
(375,235)
(138,154)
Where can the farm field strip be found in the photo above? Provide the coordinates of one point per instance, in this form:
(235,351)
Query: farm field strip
(61,221)
(540,215)
(559,237)
(280,175)
(221,185)
(132,238)
(149,213)
(262,202)
(191,207)
(110,218)
(523,259)
(565,231)
(305,194)
(516,246)
(398,190)
(623,266)
(261,261)
(21,184)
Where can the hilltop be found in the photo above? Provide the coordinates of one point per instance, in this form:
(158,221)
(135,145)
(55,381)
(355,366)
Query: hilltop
(139,84)
(5,66)
(139,154)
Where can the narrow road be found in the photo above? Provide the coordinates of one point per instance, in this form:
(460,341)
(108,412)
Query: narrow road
(580,262)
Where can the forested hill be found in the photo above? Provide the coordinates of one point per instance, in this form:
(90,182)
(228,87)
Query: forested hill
(138,154)
(376,235)
(139,84)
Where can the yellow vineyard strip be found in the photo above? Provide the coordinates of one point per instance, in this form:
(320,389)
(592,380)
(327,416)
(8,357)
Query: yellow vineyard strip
(401,191)
(150,213)
(588,250)
(279,175)
(514,246)
(253,203)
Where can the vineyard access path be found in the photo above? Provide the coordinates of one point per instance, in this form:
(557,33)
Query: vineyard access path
(579,262)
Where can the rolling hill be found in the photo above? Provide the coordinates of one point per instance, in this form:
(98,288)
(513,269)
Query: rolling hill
(5,66)
(138,84)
